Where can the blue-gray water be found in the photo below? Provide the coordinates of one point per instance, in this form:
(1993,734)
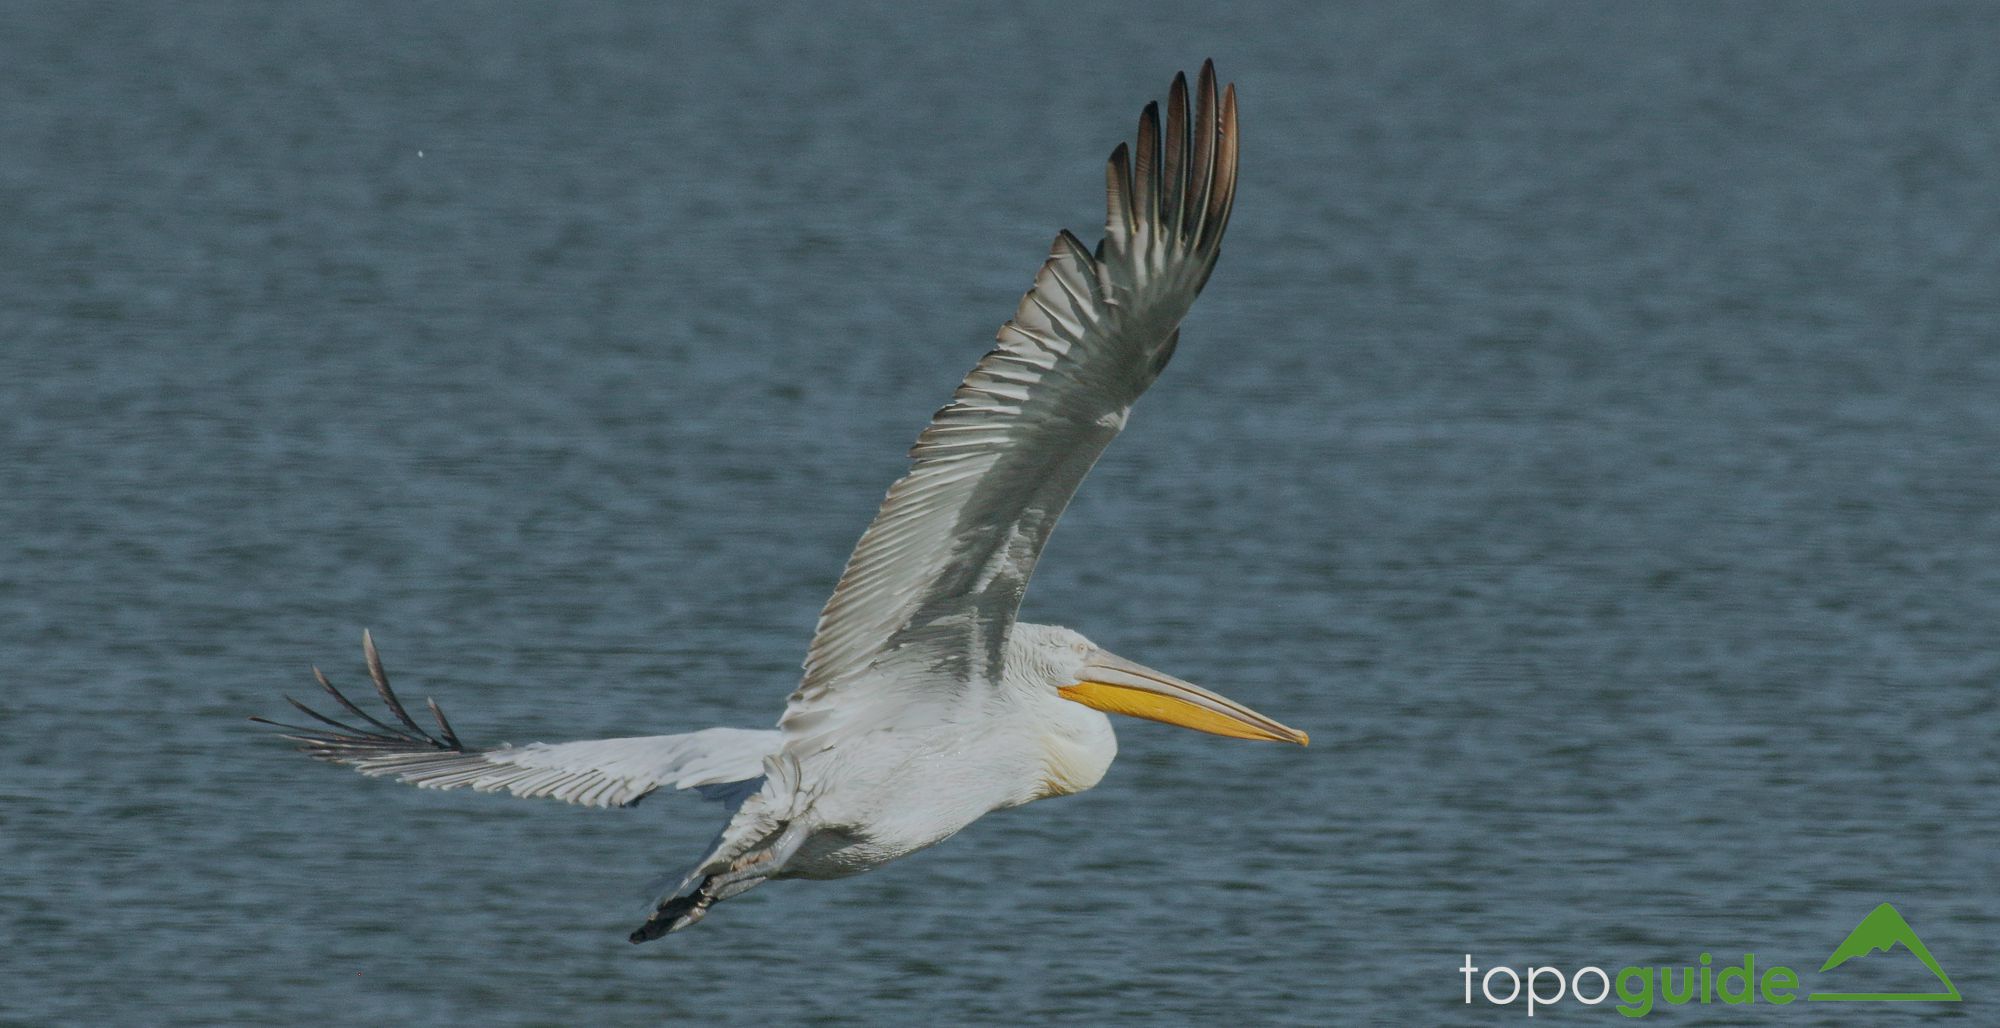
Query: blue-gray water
(1589,435)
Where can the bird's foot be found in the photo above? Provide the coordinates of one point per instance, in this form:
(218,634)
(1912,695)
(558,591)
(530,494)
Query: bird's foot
(675,914)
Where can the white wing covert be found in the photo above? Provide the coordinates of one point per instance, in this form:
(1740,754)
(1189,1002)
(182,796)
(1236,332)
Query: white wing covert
(935,582)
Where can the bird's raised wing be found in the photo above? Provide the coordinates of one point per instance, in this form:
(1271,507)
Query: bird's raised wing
(723,763)
(936,580)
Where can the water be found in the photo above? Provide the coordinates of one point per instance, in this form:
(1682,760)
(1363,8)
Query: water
(1588,436)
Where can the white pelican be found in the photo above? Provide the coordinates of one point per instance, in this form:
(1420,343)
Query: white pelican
(924,703)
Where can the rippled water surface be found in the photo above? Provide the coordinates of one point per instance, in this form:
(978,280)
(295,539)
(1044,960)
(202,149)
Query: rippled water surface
(1589,434)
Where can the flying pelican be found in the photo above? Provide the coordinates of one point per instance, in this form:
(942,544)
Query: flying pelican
(924,703)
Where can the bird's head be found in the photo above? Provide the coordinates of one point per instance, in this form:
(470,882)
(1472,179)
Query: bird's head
(1095,677)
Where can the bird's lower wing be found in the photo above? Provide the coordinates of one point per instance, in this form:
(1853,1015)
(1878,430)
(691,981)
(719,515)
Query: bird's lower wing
(933,585)
(724,763)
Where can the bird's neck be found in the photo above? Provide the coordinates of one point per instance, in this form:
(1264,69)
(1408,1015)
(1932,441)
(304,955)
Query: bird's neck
(1078,747)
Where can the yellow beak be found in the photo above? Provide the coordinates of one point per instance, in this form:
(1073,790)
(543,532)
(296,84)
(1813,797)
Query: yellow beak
(1112,684)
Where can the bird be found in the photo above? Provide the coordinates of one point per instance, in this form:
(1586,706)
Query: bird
(924,703)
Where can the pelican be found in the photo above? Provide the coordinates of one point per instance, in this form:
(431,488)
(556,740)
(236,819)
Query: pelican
(924,703)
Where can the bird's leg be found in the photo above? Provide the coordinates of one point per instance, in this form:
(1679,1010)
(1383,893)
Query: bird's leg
(745,873)
(756,866)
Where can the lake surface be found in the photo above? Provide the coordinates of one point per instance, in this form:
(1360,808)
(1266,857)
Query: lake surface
(1589,435)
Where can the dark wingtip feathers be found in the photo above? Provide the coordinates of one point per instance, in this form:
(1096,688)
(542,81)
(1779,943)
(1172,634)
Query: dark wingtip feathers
(1174,180)
(1222,197)
(346,743)
(1178,179)
(1118,188)
(444,727)
(1146,165)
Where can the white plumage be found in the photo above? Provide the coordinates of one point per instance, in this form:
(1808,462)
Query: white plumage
(924,705)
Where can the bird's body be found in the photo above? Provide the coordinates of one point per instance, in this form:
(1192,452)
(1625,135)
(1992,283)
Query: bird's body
(930,779)
(924,788)
(924,704)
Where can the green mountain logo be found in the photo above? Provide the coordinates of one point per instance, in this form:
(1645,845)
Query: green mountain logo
(1884,929)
